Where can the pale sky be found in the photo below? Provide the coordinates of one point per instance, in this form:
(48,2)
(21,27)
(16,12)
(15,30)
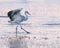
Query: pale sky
(43,7)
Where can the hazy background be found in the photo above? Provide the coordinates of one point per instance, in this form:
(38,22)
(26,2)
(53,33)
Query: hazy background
(42,12)
(46,9)
(43,7)
(43,23)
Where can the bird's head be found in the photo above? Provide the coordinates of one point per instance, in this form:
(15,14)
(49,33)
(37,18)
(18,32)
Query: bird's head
(27,12)
(21,9)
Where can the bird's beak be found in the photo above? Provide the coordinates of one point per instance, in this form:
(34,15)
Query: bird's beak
(28,13)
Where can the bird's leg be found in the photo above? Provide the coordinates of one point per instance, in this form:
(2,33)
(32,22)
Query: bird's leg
(24,30)
(16,30)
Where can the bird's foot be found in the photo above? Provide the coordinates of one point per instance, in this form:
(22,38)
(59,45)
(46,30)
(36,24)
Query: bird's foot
(21,28)
(28,32)
(25,31)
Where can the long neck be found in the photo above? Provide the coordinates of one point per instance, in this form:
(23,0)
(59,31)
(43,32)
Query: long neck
(26,16)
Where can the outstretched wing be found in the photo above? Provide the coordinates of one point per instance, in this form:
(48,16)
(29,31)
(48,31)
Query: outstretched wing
(15,12)
(12,13)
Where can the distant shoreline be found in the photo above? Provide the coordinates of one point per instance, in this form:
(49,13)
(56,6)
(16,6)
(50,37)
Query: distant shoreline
(3,16)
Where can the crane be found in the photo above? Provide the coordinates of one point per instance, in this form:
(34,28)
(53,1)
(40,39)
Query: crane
(16,17)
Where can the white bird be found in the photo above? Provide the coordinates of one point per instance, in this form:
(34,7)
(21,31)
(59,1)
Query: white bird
(16,17)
